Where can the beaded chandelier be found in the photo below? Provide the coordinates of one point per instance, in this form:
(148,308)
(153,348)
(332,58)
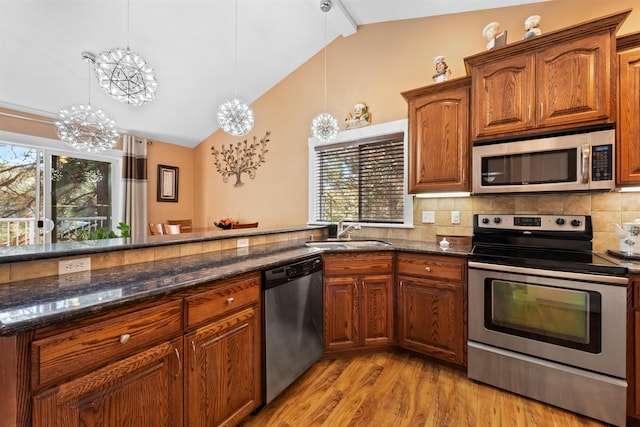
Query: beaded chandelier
(324,126)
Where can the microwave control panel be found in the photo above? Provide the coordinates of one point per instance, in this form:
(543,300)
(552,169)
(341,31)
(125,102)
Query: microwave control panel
(602,162)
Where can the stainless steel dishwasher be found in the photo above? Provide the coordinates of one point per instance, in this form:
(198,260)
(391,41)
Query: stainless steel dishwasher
(292,322)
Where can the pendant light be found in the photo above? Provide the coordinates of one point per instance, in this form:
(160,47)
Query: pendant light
(125,75)
(234,116)
(324,126)
(85,128)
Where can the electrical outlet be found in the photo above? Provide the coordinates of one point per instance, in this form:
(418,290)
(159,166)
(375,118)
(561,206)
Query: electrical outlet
(455,217)
(428,217)
(75,265)
(242,243)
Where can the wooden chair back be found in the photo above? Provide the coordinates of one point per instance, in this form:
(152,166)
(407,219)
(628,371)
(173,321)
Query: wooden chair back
(186,225)
(171,228)
(155,229)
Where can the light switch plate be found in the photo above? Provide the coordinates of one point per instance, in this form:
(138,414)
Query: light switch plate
(455,217)
(242,243)
(428,217)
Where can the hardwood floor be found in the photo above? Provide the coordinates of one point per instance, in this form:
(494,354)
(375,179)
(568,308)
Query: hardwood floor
(400,389)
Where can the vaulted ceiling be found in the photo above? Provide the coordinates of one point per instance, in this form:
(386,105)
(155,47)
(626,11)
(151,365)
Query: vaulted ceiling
(191,44)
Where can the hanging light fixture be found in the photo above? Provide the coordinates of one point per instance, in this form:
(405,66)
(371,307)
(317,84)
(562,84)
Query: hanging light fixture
(85,128)
(125,75)
(234,116)
(324,126)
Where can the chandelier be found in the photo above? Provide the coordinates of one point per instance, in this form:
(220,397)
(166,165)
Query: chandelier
(234,116)
(85,128)
(125,75)
(324,126)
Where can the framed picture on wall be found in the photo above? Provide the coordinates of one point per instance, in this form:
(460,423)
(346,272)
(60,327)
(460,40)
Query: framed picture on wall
(167,183)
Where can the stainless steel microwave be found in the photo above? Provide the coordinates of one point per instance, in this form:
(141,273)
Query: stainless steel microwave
(575,162)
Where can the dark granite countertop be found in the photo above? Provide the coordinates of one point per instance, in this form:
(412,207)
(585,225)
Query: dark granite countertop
(35,303)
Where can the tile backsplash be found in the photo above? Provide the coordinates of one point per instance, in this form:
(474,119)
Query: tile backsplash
(604,208)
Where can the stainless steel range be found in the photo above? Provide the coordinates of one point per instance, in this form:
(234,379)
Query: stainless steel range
(547,317)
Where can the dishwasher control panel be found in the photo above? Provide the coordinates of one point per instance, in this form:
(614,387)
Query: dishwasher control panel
(292,271)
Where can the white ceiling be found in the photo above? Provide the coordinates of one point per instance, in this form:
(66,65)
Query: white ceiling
(189,43)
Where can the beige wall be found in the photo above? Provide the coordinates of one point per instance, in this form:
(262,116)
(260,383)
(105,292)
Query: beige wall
(375,65)
(161,153)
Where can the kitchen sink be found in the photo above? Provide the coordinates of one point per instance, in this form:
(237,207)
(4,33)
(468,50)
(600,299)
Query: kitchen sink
(346,244)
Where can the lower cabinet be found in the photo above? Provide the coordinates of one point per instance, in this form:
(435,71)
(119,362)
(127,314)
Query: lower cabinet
(222,378)
(358,300)
(142,390)
(195,360)
(431,313)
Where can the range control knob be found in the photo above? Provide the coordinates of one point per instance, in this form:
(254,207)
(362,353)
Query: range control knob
(497,220)
(575,222)
(560,221)
(485,220)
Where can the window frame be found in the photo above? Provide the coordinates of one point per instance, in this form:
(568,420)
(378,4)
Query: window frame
(364,133)
(47,147)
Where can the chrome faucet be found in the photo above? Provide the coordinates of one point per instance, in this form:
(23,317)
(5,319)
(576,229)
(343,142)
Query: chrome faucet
(342,231)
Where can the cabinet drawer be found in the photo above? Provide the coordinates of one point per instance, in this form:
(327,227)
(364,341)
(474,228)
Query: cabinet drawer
(228,296)
(95,344)
(433,266)
(354,264)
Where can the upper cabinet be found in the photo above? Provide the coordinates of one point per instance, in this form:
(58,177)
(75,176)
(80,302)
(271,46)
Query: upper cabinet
(558,80)
(439,137)
(628,128)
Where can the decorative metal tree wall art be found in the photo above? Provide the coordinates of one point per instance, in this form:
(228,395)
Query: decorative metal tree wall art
(241,158)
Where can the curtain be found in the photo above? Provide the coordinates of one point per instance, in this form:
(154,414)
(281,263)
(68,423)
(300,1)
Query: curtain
(134,175)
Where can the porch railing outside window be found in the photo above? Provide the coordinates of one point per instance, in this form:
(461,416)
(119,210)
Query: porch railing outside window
(23,231)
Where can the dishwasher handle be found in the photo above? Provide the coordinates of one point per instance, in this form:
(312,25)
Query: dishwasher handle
(288,272)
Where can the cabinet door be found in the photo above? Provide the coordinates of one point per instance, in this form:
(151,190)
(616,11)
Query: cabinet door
(144,390)
(503,97)
(376,320)
(223,370)
(628,128)
(340,312)
(430,318)
(574,82)
(439,141)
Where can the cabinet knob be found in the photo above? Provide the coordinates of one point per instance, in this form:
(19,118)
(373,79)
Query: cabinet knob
(427,269)
(230,300)
(124,338)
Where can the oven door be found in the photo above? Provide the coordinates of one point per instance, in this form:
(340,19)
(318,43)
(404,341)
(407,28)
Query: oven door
(567,319)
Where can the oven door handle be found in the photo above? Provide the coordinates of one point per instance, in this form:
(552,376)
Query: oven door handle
(550,273)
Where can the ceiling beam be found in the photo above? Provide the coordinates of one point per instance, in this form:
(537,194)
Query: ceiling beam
(343,19)
(339,18)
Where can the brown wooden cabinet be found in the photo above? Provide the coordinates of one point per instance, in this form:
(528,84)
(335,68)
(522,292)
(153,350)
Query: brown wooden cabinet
(358,300)
(562,79)
(628,127)
(439,137)
(431,313)
(142,390)
(223,376)
(192,360)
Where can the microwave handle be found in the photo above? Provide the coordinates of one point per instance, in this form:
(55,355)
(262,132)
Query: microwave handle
(586,152)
